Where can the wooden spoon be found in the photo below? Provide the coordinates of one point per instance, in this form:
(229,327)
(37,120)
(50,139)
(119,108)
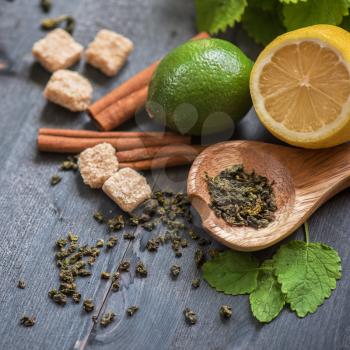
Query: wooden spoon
(304,180)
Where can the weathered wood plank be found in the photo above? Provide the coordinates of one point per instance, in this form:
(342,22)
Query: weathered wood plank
(33,215)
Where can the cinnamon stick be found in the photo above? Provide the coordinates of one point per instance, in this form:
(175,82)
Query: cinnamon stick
(161,162)
(122,110)
(110,134)
(61,144)
(138,81)
(121,103)
(139,154)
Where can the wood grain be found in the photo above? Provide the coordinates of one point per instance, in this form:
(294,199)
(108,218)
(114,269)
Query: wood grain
(33,215)
(303,181)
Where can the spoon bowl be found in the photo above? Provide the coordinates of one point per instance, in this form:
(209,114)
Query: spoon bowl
(303,181)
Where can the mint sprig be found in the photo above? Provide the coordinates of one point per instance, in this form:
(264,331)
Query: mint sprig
(309,12)
(300,274)
(214,16)
(263,20)
(307,273)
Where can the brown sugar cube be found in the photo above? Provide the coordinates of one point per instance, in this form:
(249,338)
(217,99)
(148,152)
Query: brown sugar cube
(127,188)
(97,164)
(69,89)
(57,50)
(108,51)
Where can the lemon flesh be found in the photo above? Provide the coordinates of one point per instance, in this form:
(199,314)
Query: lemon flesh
(300,86)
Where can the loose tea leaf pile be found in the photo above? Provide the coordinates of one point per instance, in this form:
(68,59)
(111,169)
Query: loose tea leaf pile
(241,198)
(302,274)
(73,261)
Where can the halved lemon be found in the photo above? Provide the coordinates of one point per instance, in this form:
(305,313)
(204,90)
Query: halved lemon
(300,86)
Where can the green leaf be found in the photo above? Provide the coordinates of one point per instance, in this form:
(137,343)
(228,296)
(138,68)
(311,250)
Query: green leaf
(232,272)
(267,300)
(216,15)
(307,273)
(311,12)
(266,5)
(262,26)
(345,24)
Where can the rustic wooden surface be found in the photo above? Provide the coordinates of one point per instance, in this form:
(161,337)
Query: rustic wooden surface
(34,215)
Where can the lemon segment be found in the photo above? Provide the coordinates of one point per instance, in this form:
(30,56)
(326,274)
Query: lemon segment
(300,86)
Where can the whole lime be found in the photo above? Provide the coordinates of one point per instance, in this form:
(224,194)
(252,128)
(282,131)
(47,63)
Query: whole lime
(201,87)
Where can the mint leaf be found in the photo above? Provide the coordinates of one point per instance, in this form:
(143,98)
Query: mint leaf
(232,272)
(345,24)
(213,15)
(267,300)
(307,273)
(303,14)
(266,5)
(262,26)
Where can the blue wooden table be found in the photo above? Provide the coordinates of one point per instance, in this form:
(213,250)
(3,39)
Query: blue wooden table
(33,214)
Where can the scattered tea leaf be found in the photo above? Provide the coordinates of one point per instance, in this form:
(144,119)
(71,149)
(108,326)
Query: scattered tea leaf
(88,305)
(175,271)
(124,266)
(190,316)
(117,223)
(112,241)
(140,269)
(100,243)
(99,217)
(225,311)
(71,163)
(132,310)
(129,236)
(199,258)
(21,284)
(69,26)
(28,321)
(105,275)
(46,5)
(196,283)
(76,297)
(55,179)
(107,319)
(152,245)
